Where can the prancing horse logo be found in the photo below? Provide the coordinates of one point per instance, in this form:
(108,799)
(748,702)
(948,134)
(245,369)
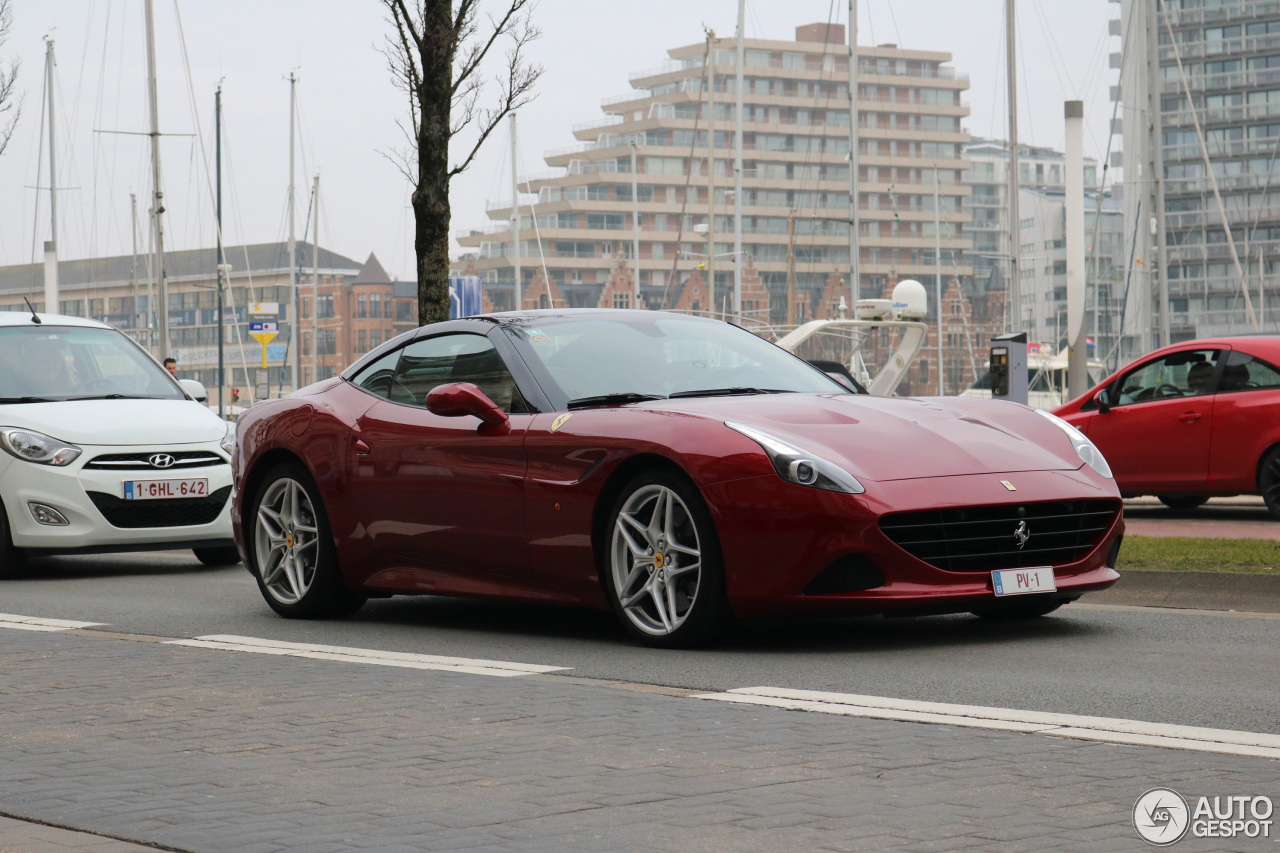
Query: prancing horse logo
(161,460)
(1022,533)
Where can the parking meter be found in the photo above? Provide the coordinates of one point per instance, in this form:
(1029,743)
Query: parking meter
(1009,367)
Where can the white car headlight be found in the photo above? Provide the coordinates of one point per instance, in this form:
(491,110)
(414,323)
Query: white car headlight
(37,447)
(796,466)
(228,443)
(1085,449)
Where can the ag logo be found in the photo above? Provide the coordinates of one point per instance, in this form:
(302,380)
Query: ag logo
(560,421)
(1161,816)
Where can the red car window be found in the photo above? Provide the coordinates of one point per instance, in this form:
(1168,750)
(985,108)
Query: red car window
(1178,374)
(1244,372)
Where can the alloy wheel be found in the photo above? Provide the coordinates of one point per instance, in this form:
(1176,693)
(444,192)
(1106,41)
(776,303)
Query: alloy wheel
(286,543)
(656,560)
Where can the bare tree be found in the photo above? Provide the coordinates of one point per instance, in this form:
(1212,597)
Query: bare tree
(436,56)
(10,103)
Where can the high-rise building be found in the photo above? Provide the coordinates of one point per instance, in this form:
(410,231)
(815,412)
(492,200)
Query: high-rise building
(577,236)
(1226,53)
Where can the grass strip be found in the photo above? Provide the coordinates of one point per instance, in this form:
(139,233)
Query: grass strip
(1194,554)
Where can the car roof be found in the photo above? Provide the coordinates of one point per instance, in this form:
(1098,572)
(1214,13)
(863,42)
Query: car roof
(23,318)
(520,318)
(1269,342)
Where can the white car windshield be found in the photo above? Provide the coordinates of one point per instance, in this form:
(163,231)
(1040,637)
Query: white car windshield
(54,363)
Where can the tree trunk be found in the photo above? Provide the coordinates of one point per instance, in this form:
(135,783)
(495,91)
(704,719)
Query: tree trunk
(431,197)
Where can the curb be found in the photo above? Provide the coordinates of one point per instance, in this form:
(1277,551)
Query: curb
(1194,590)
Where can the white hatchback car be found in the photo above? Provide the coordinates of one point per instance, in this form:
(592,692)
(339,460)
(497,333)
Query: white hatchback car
(103,449)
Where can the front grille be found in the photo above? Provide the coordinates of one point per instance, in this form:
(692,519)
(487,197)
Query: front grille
(178,512)
(982,538)
(141,461)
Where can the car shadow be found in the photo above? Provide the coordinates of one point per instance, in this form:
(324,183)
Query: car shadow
(133,564)
(854,634)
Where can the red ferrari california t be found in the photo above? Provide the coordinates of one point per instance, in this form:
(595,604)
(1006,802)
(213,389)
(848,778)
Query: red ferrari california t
(677,470)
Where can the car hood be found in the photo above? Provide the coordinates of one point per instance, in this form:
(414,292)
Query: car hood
(118,422)
(881,438)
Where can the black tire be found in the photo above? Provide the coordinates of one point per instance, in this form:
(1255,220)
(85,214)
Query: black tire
(1269,481)
(1183,502)
(315,589)
(12,560)
(698,605)
(1011,611)
(227,555)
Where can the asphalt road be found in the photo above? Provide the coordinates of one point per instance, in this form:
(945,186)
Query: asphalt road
(1241,517)
(1197,668)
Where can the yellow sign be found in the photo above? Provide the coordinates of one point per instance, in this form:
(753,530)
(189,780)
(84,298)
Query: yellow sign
(1010,486)
(560,421)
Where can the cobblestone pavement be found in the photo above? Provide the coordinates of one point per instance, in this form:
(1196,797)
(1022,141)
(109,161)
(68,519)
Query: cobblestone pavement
(203,750)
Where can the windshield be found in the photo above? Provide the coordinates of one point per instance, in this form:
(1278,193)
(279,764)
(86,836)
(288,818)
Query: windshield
(45,362)
(653,354)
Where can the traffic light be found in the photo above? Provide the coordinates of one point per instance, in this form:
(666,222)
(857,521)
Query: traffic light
(235,396)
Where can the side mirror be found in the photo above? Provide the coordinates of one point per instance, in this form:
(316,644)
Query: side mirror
(457,399)
(195,390)
(1103,399)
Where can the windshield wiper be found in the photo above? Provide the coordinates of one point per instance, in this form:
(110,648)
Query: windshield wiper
(117,397)
(729,392)
(27,400)
(613,399)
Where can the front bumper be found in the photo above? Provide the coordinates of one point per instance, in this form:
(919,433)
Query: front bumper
(68,490)
(794,534)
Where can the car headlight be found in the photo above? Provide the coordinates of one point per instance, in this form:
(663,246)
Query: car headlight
(228,443)
(796,466)
(1085,449)
(37,447)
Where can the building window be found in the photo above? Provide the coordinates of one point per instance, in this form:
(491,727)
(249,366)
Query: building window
(326,342)
(362,305)
(404,311)
(363,341)
(375,304)
(375,338)
(324,304)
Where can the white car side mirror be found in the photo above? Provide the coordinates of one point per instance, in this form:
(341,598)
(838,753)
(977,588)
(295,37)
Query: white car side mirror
(195,390)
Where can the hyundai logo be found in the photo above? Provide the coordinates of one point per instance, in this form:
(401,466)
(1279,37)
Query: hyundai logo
(1022,533)
(161,460)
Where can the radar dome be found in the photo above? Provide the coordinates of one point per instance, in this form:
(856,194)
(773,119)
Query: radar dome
(910,302)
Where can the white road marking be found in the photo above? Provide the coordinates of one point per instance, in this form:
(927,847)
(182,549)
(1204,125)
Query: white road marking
(35,623)
(1108,729)
(345,654)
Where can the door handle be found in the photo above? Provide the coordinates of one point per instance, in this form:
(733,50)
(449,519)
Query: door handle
(1189,417)
(362,449)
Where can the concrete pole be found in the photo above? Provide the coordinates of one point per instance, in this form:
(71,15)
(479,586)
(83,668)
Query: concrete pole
(157,209)
(1015,224)
(515,219)
(1157,166)
(855,285)
(1078,352)
(51,245)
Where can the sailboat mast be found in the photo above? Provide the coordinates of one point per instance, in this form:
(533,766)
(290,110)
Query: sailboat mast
(1015,228)
(294,333)
(515,220)
(51,247)
(157,208)
(855,286)
(711,170)
(315,285)
(737,161)
(133,267)
(222,261)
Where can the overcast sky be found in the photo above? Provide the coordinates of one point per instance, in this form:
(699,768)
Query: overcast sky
(348,108)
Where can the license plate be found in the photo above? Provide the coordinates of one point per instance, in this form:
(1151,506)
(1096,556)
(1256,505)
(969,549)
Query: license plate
(1022,581)
(151,490)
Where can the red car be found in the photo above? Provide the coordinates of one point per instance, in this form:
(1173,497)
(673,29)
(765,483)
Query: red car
(1191,421)
(677,470)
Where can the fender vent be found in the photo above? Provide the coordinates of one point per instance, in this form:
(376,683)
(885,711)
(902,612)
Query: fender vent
(850,573)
